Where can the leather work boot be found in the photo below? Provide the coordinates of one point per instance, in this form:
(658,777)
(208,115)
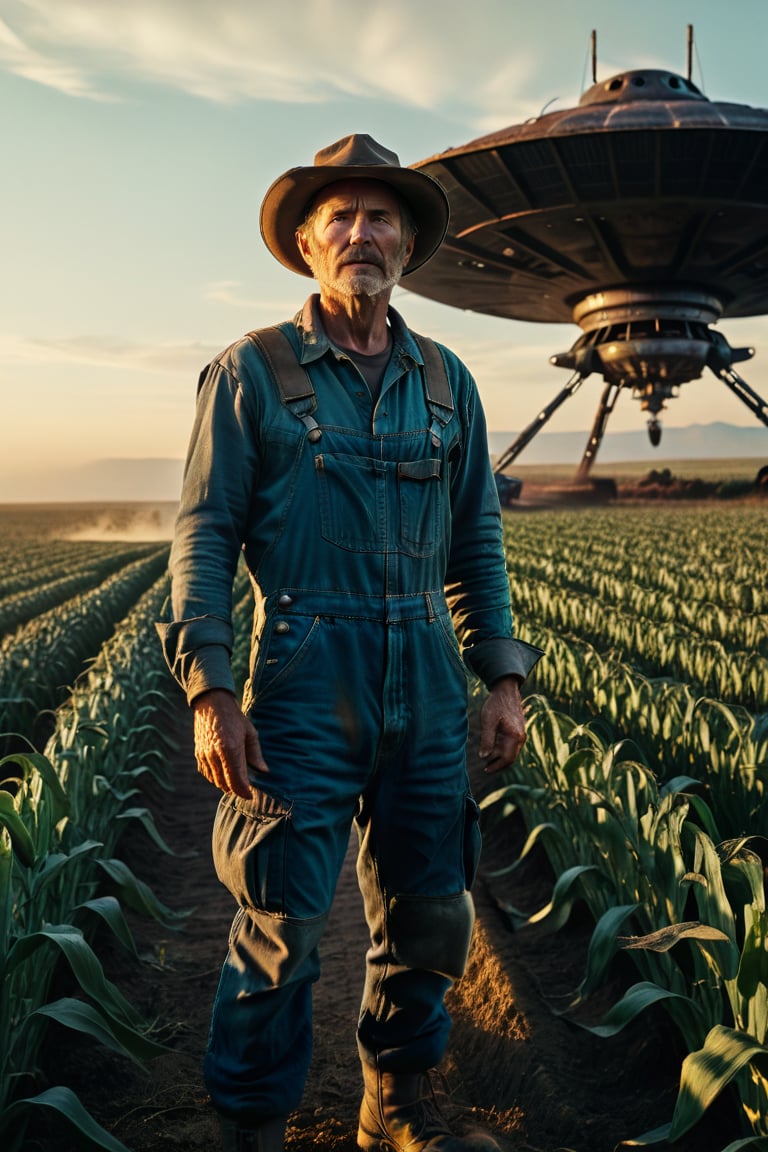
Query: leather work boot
(399,1113)
(266,1137)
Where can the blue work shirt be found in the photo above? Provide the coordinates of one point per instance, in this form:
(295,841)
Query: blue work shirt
(377,507)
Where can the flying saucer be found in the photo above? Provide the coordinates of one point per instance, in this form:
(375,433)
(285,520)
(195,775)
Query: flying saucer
(641,215)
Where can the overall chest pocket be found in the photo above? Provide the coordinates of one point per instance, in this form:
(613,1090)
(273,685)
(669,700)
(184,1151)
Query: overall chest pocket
(369,505)
(419,494)
(352,498)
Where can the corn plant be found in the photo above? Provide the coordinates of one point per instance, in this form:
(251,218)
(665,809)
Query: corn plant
(733,1050)
(48,588)
(637,855)
(41,658)
(32,804)
(678,733)
(61,816)
(30,563)
(695,556)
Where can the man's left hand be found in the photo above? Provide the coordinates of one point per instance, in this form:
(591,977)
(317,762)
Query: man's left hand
(502,725)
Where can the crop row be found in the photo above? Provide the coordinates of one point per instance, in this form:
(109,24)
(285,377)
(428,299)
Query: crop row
(717,667)
(676,730)
(644,797)
(61,817)
(570,609)
(692,555)
(48,591)
(42,658)
(27,561)
(30,564)
(670,882)
(645,775)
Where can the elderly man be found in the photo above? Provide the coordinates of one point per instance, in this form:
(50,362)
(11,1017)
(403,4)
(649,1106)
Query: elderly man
(347,458)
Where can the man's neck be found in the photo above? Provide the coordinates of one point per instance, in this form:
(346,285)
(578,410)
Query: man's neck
(356,322)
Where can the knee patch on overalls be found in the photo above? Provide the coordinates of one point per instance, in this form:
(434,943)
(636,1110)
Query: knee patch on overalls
(431,932)
(276,946)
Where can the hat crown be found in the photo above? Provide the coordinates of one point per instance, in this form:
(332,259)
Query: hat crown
(357,149)
(358,156)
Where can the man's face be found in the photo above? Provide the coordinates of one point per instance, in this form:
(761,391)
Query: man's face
(354,240)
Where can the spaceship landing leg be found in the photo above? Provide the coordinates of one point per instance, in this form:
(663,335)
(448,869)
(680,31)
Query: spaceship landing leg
(530,431)
(607,402)
(747,395)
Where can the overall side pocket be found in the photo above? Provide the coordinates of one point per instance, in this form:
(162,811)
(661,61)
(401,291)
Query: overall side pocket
(250,842)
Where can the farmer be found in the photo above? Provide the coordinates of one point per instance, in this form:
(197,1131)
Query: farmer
(348,460)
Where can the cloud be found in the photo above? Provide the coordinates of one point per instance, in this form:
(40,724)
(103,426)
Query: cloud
(229,292)
(26,61)
(106,352)
(316,51)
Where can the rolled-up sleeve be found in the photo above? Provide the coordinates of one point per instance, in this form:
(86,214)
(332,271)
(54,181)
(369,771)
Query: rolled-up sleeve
(198,653)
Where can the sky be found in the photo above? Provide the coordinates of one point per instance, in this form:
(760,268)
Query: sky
(139,138)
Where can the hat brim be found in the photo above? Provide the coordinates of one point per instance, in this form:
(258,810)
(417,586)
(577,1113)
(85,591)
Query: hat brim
(284,208)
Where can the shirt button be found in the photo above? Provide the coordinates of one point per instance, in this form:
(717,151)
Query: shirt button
(285,601)
(282,627)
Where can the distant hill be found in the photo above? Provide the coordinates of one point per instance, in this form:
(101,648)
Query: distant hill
(127,479)
(696,442)
(159,478)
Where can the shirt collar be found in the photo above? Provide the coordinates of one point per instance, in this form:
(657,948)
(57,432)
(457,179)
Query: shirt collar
(315,342)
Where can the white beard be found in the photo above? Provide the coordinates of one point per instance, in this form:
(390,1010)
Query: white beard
(356,279)
(365,281)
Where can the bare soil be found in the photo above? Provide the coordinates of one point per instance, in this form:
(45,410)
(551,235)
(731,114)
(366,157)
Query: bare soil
(537,1081)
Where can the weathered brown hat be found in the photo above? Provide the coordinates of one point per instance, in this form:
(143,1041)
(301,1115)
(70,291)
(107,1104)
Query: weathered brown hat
(357,156)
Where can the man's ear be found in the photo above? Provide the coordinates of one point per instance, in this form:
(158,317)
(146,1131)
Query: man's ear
(408,251)
(303,247)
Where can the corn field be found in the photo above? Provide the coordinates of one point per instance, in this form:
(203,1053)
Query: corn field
(645,775)
(644,781)
(78,647)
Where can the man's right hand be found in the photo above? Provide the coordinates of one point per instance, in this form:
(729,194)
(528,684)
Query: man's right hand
(226,742)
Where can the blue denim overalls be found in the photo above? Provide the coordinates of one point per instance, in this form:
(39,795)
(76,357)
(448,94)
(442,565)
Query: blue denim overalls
(357,689)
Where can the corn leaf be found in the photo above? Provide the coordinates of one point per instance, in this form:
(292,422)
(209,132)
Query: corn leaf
(496,796)
(743,872)
(83,962)
(753,965)
(714,906)
(23,844)
(55,862)
(540,832)
(67,1104)
(707,1071)
(634,1001)
(564,895)
(108,908)
(603,946)
(665,938)
(653,1137)
(145,818)
(679,784)
(705,815)
(139,896)
(83,1017)
(31,762)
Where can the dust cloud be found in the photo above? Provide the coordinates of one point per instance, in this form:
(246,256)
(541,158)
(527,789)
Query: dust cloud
(135,523)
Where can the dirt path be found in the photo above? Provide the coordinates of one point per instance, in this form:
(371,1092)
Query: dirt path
(539,1083)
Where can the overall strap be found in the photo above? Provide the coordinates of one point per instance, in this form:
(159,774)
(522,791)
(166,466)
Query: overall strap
(298,394)
(437,389)
(292,381)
